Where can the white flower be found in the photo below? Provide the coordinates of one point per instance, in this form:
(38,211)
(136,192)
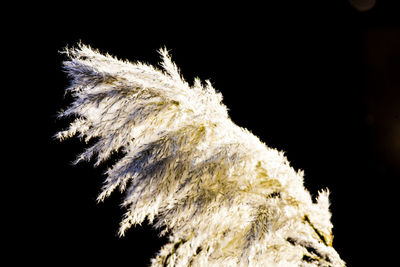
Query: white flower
(223,197)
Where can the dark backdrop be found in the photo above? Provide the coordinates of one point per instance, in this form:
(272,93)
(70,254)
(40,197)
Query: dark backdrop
(316,79)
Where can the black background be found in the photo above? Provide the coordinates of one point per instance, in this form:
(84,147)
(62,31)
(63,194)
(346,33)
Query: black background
(316,79)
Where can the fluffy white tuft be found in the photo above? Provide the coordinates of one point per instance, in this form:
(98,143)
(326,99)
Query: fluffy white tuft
(223,197)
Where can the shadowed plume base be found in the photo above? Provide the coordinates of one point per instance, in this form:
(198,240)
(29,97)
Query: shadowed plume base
(220,194)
